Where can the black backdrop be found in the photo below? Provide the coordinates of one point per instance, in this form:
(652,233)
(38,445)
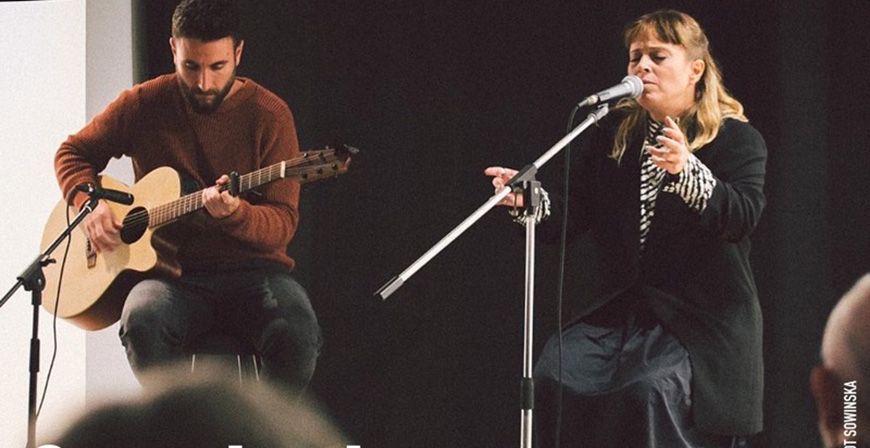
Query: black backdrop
(434,92)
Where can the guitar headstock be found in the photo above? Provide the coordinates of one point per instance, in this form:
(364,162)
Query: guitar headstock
(321,164)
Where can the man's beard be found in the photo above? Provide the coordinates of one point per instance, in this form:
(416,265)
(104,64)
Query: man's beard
(198,104)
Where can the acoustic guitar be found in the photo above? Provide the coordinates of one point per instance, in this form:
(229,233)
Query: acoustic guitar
(95,286)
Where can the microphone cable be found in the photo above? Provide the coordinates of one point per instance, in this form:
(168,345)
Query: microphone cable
(561,281)
(54,318)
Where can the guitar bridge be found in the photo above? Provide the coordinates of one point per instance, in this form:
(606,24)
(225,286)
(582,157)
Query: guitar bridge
(91,254)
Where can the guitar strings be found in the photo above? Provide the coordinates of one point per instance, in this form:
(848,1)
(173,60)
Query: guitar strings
(190,203)
(193,201)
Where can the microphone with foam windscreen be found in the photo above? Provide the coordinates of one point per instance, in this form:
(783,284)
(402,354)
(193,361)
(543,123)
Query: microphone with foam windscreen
(631,86)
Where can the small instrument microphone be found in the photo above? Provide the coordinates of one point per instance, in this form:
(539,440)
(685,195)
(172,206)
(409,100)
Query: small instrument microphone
(95,191)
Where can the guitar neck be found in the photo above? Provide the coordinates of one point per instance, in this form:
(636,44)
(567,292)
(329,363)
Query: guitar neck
(312,162)
(192,202)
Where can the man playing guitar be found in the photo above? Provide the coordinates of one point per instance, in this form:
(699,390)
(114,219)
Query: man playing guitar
(205,122)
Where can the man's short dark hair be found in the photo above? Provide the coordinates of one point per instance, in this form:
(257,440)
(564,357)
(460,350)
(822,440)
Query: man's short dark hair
(206,20)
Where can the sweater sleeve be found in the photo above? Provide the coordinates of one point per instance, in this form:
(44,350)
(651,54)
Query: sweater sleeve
(268,220)
(87,152)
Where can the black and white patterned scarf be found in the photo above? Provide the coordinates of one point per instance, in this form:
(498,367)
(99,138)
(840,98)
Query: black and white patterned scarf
(694,184)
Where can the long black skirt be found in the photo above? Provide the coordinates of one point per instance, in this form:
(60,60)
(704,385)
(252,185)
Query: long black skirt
(628,385)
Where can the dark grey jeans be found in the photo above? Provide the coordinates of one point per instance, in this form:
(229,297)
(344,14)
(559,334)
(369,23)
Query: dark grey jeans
(264,306)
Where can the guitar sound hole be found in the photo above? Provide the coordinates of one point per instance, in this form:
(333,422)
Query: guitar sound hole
(135,224)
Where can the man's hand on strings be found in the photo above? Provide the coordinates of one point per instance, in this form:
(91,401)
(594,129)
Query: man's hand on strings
(220,204)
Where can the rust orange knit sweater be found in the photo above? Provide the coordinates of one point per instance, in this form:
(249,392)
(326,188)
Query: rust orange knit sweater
(153,124)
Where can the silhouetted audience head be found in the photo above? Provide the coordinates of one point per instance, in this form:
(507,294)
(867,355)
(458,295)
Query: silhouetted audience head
(205,410)
(840,385)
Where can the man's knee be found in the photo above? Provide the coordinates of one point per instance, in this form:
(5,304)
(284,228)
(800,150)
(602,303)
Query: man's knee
(145,301)
(150,313)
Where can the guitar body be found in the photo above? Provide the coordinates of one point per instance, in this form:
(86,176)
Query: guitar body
(95,285)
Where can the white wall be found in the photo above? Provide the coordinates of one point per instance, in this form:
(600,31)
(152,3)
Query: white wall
(62,62)
(42,100)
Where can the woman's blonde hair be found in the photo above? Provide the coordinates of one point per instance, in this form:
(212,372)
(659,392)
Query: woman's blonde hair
(713,104)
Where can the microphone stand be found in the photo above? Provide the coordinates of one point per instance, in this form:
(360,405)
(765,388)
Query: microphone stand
(524,181)
(33,280)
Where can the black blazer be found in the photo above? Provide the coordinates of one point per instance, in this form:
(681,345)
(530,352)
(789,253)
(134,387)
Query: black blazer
(695,273)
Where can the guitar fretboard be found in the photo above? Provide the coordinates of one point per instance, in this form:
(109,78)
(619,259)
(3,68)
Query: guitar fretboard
(192,202)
